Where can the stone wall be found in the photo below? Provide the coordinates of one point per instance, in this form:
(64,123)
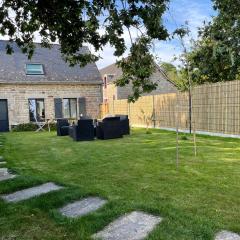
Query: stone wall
(18,95)
(110,92)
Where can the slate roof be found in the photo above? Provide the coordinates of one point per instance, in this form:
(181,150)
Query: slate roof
(114,70)
(12,67)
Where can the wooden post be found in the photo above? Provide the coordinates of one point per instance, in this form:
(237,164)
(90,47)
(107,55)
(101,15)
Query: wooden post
(177,136)
(154,112)
(194,139)
(113,104)
(129,112)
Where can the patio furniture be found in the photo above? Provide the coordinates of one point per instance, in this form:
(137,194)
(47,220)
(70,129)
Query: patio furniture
(124,124)
(41,125)
(83,131)
(62,127)
(109,128)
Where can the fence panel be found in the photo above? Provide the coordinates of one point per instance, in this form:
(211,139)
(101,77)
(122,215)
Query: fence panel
(216,108)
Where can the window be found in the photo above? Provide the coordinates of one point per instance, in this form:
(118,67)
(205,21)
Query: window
(110,76)
(34,69)
(70,108)
(105,82)
(36,110)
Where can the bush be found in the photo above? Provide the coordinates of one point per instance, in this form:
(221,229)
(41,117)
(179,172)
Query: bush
(148,132)
(25,127)
(184,137)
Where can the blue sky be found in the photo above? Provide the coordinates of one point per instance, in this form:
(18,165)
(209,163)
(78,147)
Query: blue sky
(180,11)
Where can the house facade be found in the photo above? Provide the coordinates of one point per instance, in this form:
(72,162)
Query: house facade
(45,87)
(111,73)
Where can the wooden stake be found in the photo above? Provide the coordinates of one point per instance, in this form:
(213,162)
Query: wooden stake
(177,137)
(194,139)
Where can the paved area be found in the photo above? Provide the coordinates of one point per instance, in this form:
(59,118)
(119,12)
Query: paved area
(133,226)
(225,235)
(82,207)
(5,175)
(31,192)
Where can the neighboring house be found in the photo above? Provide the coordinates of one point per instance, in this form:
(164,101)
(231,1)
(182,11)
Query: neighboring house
(111,73)
(45,87)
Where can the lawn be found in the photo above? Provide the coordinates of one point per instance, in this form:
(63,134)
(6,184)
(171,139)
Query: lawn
(137,172)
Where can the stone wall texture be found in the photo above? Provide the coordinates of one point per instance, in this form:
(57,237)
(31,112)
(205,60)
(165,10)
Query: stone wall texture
(18,95)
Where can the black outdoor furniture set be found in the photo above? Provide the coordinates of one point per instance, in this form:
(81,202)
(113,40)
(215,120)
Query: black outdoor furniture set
(87,129)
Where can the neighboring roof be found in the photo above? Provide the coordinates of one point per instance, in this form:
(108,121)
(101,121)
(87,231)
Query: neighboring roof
(12,67)
(113,69)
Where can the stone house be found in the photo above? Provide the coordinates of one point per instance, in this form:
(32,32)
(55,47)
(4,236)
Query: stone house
(45,87)
(112,73)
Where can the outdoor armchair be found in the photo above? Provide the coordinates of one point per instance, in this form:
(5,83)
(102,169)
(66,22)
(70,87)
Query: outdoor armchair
(62,127)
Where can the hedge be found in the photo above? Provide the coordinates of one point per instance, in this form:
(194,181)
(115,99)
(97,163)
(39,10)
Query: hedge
(24,127)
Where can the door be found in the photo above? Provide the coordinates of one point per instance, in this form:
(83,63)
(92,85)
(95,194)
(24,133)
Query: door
(4,124)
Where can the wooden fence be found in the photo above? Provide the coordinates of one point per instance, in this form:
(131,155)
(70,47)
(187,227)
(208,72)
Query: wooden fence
(216,108)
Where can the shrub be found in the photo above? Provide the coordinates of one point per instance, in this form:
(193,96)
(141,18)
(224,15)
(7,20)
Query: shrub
(24,127)
(148,131)
(184,137)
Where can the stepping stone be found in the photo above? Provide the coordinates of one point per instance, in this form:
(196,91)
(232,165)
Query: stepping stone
(5,175)
(82,207)
(3,171)
(1,158)
(2,163)
(134,226)
(31,192)
(225,235)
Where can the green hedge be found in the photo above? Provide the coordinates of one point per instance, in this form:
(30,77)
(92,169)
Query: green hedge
(24,127)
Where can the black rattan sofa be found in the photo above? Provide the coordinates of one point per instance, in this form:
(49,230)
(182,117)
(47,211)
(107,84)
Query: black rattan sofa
(109,128)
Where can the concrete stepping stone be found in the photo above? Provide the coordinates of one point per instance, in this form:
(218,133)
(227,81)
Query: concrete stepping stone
(31,192)
(133,226)
(3,171)
(226,235)
(1,158)
(2,163)
(5,175)
(82,207)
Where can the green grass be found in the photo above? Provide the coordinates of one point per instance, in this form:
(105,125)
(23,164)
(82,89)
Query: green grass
(137,172)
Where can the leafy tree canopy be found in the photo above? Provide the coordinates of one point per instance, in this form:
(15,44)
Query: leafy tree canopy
(215,57)
(97,22)
(177,76)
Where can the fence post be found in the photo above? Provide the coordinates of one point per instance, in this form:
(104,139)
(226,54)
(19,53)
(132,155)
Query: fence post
(154,112)
(129,112)
(177,131)
(113,104)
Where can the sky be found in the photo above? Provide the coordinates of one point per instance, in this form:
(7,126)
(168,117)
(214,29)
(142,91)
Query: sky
(180,11)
